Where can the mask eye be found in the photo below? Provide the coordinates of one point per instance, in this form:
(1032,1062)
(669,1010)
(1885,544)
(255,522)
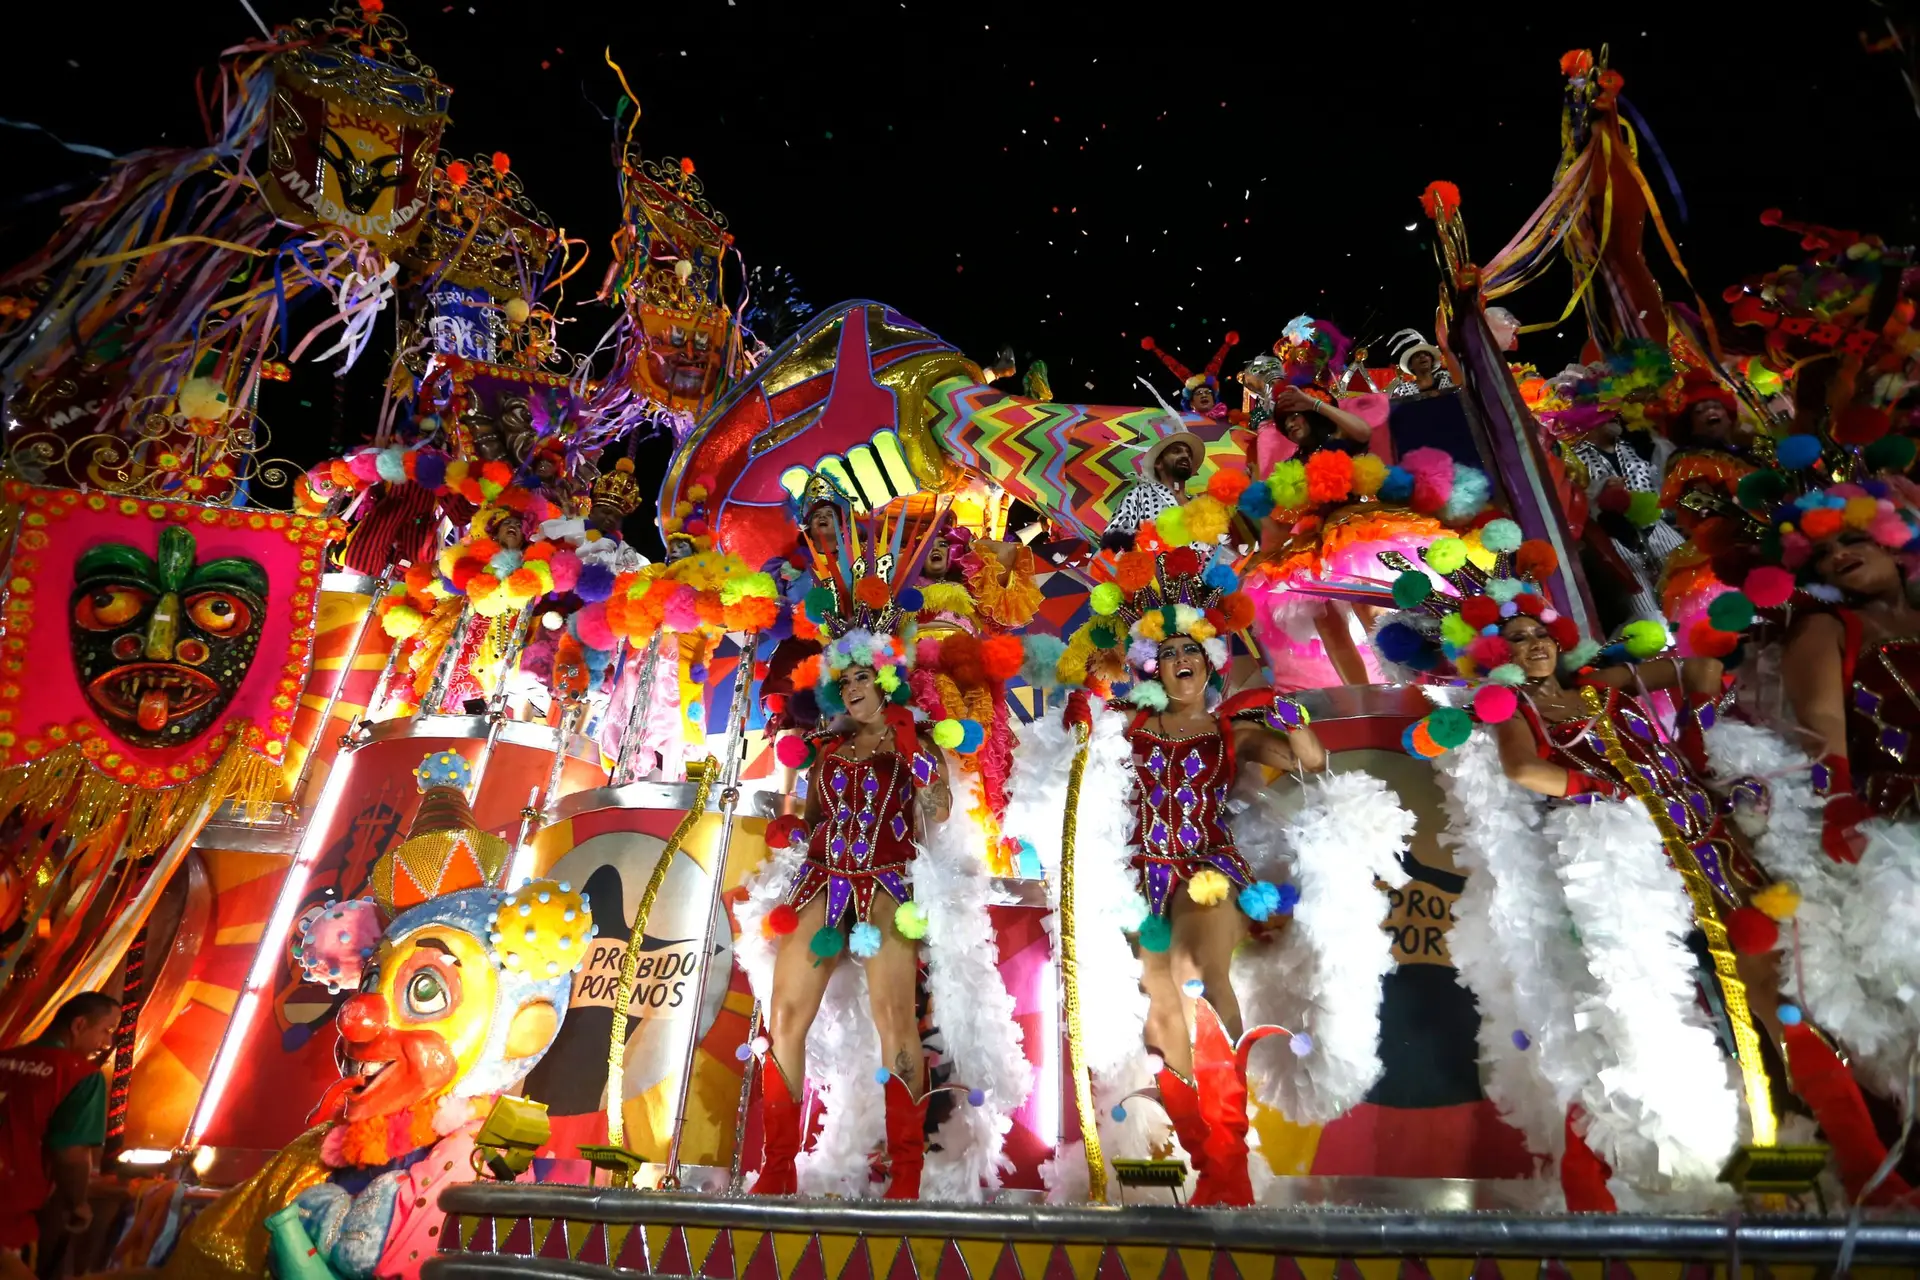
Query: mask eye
(109,607)
(218,613)
(426,994)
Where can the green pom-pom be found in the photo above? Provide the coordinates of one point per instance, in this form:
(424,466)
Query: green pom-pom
(1457,631)
(1643,509)
(1644,638)
(1288,485)
(1156,934)
(819,605)
(1105,598)
(1411,588)
(827,943)
(1508,674)
(1580,655)
(1103,635)
(1447,554)
(947,734)
(1890,453)
(910,921)
(1730,612)
(1500,535)
(1759,490)
(1449,727)
(1504,589)
(901,695)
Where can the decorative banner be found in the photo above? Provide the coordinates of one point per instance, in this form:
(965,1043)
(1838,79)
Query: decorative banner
(353,143)
(153,657)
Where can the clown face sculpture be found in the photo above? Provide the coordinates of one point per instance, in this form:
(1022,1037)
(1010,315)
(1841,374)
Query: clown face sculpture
(162,645)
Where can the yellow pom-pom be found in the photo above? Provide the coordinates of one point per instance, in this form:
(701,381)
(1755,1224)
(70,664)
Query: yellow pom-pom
(1172,524)
(1446,554)
(1209,888)
(1206,519)
(1152,626)
(1859,512)
(1779,900)
(401,621)
(553,935)
(1369,473)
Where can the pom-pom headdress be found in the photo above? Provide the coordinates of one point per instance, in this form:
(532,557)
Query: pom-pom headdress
(1169,594)
(863,618)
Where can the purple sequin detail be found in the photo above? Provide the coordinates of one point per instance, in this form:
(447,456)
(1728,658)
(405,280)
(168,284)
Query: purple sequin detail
(922,768)
(1866,700)
(838,845)
(869,784)
(1636,724)
(1156,761)
(1157,795)
(1822,779)
(1159,881)
(1709,856)
(1706,715)
(839,893)
(1226,867)
(838,781)
(1157,833)
(860,849)
(1894,741)
(1185,796)
(893,884)
(1189,835)
(899,827)
(1193,765)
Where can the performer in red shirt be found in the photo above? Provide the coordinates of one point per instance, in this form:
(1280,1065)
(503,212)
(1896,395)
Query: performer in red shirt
(53,1117)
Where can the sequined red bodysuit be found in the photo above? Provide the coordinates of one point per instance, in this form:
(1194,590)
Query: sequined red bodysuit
(1883,715)
(864,840)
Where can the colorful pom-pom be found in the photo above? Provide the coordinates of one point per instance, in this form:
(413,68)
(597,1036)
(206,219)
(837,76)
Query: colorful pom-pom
(864,941)
(1495,704)
(1397,485)
(792,751)
(1731,611)
(1778,901)
(1260,900)
(1643,509)
(1449,727)
(1508,674)
(1172,524)
(1536,560)
(1105,598)
(972,736)
(783,919)
(827,943)
(1256,502)
(1768,587)
(1789,1015)
(1890,453)
(1227,485)
(1416,741)
(1644,638)
(1457,631)
(819,604)
(1209,888)
(871,591)
(1480,611)
(1489,651)
(1156,934)
(1411,588)
(948,734)
(1369,473)
(910,921)
(1751,932)
(1796,453)
(1500,535)
(1401,643)
(1447,554)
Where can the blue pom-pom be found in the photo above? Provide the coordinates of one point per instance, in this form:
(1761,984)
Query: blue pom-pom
(1042,667)
(1789,1015)
(1119,1112)
(1260,900)
(742,1052)
(595,584)
(1398,486)
(1398,642)
(1289,898)
(864,941)
(977,1097)
(1521,1041)
(1471,490)
(910,599)
(697,673)
(1221,576)
(1796,453)
(880,1076)
(1256,502)
(971,737)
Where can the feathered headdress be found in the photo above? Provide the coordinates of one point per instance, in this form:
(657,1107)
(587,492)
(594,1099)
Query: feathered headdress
(863,614)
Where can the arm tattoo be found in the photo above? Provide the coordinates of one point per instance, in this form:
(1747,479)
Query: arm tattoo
(903,1067)
(934,797)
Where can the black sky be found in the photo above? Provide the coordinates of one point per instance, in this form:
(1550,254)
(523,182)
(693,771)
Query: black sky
(1068,178)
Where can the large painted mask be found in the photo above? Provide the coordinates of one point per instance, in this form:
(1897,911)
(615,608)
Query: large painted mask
(162,644)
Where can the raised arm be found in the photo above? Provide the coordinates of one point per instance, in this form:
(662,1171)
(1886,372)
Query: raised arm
(1298,748)
(1691,675)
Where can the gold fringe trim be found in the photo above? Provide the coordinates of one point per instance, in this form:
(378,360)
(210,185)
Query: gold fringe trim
(1070,976)
(64,781)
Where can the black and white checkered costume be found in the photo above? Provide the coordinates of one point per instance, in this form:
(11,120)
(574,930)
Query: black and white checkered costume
(1639,461)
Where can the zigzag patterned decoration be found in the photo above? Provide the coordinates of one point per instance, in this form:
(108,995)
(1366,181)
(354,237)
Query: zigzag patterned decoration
(1073,461)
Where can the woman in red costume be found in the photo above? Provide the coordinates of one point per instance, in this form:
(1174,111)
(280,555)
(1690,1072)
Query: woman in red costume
(877,781)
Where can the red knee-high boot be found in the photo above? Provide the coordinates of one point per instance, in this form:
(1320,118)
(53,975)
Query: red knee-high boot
(1583,1174)
(906,1139)
(1181,1098)
(1222,1082)
(779,1133)
(1824,1084)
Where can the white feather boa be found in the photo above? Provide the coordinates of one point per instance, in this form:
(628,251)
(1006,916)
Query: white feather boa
(1611,1018)
(970,1003)
(1106,906)
(1857,972)
(1333,838)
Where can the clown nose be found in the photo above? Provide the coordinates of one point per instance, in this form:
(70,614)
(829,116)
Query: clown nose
(362,1018)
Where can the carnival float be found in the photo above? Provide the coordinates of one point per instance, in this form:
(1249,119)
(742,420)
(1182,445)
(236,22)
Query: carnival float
(1436,814)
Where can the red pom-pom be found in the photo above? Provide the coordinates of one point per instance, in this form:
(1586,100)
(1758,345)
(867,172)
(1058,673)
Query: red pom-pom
(1536,560)
(1479,611)
(1614,498)
(1183,561)
(1530,604)
(1768,587)
(1708,641)
(782,831)
(1238,608)
(501,163)
(1233,338)
(792,751)
(871,592)
(1146,344)
(686,164)
(457,173)
(1751,931)
(463,571)
(1564,632)
(1227,485)
(1489,652)
(1823,522)
(783,919)
(1861,424)
(1495,704)
(1003,656)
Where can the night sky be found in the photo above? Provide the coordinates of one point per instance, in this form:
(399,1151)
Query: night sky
(1065,182)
